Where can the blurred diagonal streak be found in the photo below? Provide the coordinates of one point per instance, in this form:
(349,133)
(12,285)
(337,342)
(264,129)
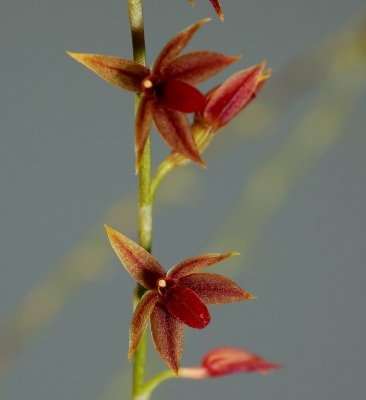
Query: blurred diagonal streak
(338,64)
(41,305)
(85,263)
(323,123)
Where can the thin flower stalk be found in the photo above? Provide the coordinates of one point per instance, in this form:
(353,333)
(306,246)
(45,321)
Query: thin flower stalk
(136,20)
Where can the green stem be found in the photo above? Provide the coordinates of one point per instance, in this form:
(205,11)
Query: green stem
(135,12)
(202,135)
(154,382)
(188,373)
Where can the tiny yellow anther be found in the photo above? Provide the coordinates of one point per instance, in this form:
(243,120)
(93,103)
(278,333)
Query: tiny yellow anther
(162,283)
(147,84)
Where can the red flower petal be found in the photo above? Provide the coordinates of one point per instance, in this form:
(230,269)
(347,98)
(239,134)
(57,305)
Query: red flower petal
(140,317)
(229,360)
(139,263)
(167,334)
(175,46)
(180,96)
(184,304)
(195,264)
(232,96)
(143,123)
(214,288)
(197,66)
(218,8)
(123,73)
(175,130)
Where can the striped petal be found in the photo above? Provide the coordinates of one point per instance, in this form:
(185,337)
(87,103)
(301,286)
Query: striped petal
(167,334)
(214,288)
(195,264)
(139,263)
(197,66)
(175,46)
(140,317)
(175,130)
(119,72)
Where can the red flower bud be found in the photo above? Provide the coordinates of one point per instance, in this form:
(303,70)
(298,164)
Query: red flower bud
(227,100)
(228,360)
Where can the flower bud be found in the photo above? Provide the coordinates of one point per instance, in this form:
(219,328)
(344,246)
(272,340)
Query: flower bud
(228,360)
(225,101)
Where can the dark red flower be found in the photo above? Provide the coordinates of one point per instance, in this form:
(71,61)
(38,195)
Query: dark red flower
(173,298)
(168,91)
(228,360)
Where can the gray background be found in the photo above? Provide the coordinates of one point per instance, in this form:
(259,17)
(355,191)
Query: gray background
(66,157)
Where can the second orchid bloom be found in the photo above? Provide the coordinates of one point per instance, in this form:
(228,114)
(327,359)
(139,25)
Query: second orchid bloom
(169,93)
(174,298)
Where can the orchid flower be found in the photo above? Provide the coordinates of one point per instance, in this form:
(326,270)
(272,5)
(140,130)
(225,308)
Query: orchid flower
(174,298)
(168,89)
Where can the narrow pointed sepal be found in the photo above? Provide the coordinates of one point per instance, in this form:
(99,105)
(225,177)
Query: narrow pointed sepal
(142,127)
(218,9)
(167,334)
(175,130)
(198,66)
(139,263)
(175,46)
(125,74)
(184,304)
(195,264)
(215,289)
(140,318)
